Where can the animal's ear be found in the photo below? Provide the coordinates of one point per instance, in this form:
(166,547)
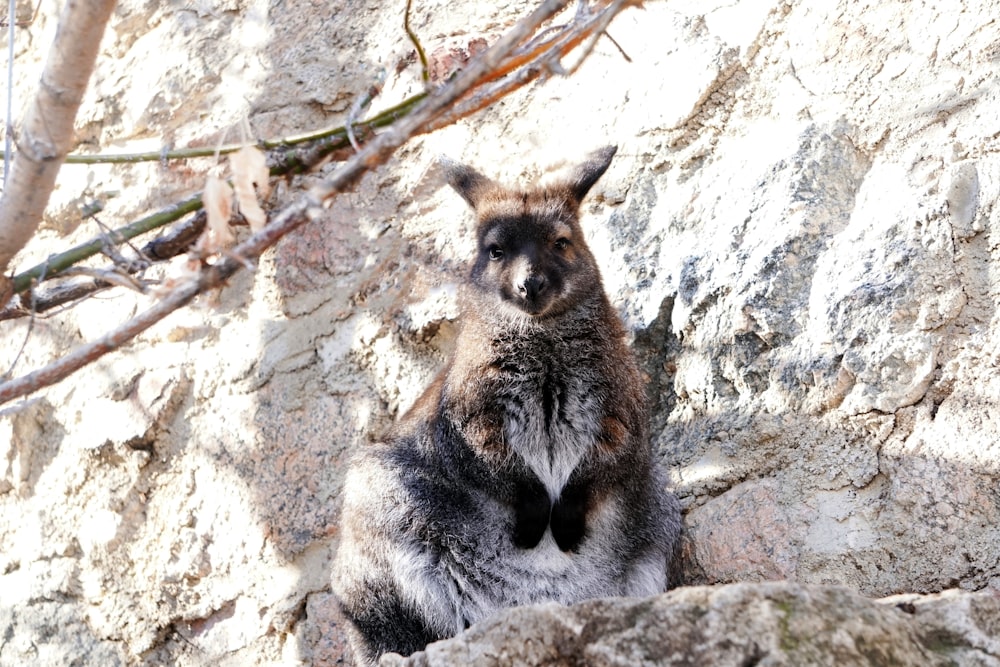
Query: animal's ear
(585,175)
(467,181)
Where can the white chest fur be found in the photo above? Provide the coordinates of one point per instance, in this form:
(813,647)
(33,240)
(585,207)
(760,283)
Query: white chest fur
(551,425)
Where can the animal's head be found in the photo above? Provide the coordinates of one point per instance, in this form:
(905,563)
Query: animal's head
(532,255)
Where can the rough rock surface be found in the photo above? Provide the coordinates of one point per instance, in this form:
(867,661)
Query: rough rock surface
(736,624)
(800,229)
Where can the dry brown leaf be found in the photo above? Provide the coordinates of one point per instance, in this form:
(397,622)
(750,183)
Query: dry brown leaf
(249,167)
(218,202)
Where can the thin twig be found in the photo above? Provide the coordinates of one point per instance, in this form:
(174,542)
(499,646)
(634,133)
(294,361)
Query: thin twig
(424,72)
(360,104)
(111,277)
(618,46)
(478,72)
(530,46)
(110,250)
(24,343)
(336,137)
(600,22)
(20,351)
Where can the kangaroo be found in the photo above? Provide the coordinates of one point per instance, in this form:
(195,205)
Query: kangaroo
(524,472)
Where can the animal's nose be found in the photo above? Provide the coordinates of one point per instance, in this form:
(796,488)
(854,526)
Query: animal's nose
(532,286)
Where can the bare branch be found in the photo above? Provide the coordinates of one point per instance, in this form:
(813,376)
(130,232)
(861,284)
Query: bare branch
(286,161)
(536,57)
(57,263)
(480,71)
(177,240)
(319,146)
(47,130)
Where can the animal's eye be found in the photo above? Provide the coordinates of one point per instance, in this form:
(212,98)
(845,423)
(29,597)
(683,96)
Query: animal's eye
(562,243)
(496,252)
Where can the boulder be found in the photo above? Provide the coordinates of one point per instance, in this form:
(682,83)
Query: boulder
(737,624)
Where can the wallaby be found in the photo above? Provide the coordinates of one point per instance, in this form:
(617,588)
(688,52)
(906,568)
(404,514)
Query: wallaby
(524,472)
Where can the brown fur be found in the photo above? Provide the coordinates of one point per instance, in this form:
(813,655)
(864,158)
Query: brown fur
(524,472)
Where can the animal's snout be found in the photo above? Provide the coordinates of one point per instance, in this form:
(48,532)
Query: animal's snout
(532,286)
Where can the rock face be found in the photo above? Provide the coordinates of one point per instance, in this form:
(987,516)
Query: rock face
(800,229)
(738,624)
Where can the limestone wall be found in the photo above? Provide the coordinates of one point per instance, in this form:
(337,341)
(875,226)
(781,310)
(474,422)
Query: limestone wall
(800,229)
